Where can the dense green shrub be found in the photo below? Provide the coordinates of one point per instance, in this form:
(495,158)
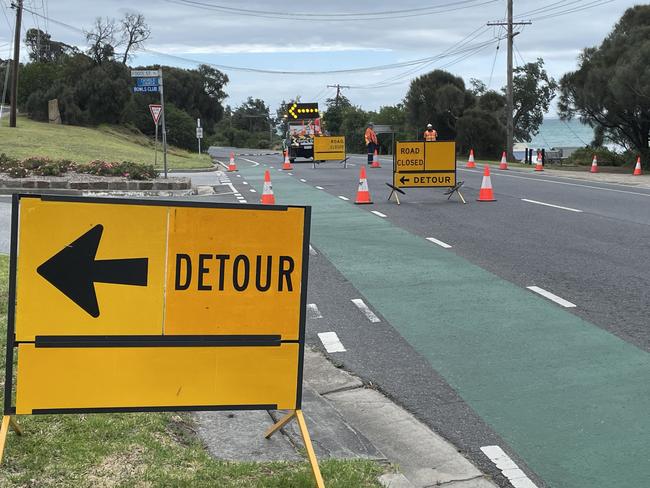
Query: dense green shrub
(43,166)
(606,157)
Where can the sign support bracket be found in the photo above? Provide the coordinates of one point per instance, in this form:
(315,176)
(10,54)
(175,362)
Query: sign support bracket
(7,421)
(297,414)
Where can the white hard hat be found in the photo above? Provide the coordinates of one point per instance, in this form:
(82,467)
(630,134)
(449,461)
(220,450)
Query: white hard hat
(429,126)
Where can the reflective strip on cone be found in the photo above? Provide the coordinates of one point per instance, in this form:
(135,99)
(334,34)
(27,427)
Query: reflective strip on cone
(287,164)
(637,168)
(594,165)
(504,161)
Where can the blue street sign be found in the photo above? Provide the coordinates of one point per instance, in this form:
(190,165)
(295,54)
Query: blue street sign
(146,81)
(145,89)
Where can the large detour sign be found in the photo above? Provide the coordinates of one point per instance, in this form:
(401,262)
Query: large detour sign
(329,148)
(422,164)
(125,305)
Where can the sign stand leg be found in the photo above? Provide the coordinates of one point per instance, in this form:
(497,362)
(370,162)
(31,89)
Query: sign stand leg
(7,421)
(461,196)
(297,414)
(393,192)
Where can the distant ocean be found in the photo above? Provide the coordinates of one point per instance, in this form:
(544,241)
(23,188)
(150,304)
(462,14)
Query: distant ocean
(557,133)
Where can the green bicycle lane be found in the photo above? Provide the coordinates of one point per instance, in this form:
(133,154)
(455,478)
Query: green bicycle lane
(570,398)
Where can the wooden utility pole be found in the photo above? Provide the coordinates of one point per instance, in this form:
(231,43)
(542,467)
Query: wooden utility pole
(510,128)
(338,91)
(15,64)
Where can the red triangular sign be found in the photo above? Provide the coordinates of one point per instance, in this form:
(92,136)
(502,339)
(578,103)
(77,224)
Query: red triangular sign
(155,110)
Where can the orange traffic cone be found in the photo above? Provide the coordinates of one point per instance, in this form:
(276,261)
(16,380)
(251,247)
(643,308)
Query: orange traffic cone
(504,162)
(486,194)
(231,165)
(375,161)
(637,168)
(287,164)
(470,161)
(363,194)
(267,193)
(539,166)
(594,165)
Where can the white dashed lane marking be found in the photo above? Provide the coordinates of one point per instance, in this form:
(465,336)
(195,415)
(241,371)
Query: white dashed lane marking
(378,214)
(440,243)
(253,190)
(313,312)
(551,296)
(344,198)
(551,205)
(320,188)
(303,180)
(331,342)
(361,305)
(508,467)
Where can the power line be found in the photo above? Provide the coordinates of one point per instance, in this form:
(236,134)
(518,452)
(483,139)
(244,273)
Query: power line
(596,3)
(339,16)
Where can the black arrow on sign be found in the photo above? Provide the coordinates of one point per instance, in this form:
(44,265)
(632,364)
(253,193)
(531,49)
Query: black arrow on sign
(74,270)
(403,179)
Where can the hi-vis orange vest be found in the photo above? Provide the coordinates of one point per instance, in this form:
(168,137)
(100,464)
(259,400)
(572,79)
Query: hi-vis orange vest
(430,135)
(370,136)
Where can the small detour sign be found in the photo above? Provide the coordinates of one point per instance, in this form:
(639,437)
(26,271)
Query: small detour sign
(124,305)
(424,164)
(329,148)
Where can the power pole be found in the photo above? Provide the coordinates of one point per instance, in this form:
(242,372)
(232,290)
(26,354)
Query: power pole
(338,91)
(15,63)
(510,128)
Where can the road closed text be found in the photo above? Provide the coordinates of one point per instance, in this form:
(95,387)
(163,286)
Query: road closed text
(219,272)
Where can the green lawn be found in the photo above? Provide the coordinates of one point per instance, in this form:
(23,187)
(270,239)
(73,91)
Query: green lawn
(142,450)
(83,144)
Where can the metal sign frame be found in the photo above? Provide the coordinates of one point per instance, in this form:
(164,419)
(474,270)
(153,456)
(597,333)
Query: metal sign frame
(10,408)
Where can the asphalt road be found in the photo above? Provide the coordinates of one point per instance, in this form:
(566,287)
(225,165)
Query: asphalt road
(456,337)
(478,356)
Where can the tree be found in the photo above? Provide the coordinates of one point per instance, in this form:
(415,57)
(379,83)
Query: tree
(135,32)
(438,98)
(335,113)
(101,40)
(533,91)
(610,90)
(41,48)
(480,130)
(252,115)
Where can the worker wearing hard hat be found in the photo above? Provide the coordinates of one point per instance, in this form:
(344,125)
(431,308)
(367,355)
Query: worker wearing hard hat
(430,135)
(371,141)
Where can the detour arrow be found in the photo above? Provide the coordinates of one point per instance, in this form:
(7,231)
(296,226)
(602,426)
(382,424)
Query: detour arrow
(74,271)
(403,179)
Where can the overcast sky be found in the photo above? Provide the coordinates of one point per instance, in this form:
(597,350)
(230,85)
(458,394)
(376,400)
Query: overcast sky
(187,29)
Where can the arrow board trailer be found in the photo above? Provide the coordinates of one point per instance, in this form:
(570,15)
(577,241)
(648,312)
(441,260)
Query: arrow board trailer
(419,164)
(120,305)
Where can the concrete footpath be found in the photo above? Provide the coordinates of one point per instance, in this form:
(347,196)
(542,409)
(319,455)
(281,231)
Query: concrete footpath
(346,420)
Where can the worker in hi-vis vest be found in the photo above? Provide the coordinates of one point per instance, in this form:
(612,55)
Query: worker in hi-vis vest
(430,134)
(371,141)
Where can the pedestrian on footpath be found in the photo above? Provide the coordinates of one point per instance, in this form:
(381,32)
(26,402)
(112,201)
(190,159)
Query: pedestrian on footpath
(430,135)
(371,141)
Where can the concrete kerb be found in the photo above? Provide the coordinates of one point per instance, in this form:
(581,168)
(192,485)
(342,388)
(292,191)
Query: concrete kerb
(346,421)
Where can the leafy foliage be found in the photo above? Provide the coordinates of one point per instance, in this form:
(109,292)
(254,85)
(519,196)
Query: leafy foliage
(532,93)
(611,88)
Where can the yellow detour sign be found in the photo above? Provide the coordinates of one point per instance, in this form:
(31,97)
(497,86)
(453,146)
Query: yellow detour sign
(424,164)
(126,305)
(329,148)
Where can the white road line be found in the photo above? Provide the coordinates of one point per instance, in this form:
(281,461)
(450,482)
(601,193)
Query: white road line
(303,180)
(320,188)
(539,179)
(378,214)
(313,312)
(344,198)
(440,243)
(551,296)
(271,167)
(255,163)
(244,182)
(253,190)
(239,176)
(331,342)
(290,174)
(508,467)
(361,305)
(312,251)
(551,205)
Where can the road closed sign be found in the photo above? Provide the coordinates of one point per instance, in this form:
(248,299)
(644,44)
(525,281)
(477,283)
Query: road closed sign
(329,148)
(422,164)
(127,305)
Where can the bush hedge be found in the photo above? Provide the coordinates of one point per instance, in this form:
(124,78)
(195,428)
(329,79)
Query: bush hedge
(43,166)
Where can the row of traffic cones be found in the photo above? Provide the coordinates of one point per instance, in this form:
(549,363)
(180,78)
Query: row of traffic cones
(539,166)
(486,193)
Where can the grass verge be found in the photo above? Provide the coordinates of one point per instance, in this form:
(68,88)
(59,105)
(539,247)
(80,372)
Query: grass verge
(143,450)
(84,144)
